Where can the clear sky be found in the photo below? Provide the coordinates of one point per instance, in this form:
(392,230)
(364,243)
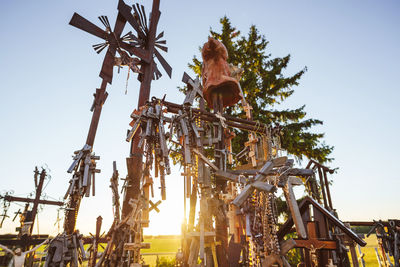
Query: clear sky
(49,71)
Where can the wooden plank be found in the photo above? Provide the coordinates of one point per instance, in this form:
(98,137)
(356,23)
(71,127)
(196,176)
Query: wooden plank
(294,209)
(197,234)
(205,159)
(291,172)
(30,200)
(135,246)
(287,245)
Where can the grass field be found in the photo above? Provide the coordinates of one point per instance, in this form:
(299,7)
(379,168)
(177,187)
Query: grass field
(167,246)
(369,251)
(160,244)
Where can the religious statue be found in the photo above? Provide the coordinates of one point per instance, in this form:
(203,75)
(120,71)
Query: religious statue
(217,81)
(18,259)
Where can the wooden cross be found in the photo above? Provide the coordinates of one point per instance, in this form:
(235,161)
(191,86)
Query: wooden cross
(252,145)
(259,184)
(287,182)
(313,244)
(229,135)
(36,201)
(194,89)
(247,108)
(4,216)
(95,243)
(154,206)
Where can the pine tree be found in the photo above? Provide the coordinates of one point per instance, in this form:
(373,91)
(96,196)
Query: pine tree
(265,87)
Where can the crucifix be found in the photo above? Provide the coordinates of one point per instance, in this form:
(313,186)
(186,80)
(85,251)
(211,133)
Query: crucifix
(313,244)
(30,215)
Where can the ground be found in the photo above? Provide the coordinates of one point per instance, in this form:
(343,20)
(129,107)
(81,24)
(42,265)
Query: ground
(167,246)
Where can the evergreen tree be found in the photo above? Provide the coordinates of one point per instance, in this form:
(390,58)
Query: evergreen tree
(265,87)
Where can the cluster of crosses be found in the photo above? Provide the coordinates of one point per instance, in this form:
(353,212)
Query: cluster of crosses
(237,221)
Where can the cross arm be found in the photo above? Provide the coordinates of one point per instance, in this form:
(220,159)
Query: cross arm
(81,23)
(31,200)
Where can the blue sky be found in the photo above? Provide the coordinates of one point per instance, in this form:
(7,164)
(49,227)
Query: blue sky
(49,72)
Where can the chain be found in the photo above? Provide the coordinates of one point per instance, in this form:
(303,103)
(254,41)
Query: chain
(271,242)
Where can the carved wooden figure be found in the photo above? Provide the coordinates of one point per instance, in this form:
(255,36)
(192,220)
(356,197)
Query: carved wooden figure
(216,74)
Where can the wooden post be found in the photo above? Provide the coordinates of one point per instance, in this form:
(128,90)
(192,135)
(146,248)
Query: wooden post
(353,253)
(378,257)
(328,192)
(321,181)
(294,208)
(37,197)
(134,162)
(221,227)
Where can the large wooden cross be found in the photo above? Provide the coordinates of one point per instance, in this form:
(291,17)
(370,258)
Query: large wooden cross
(143,47)
(36,201)
(148,70)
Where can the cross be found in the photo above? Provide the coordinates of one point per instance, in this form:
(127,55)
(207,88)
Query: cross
(16,214)
(229,135)
(95,243)
(36,201)
(154,206)
(113,40)
(259,183)
(194,89)
(247,108)
(287,182)
(313,243)
(252,145)
(4,215)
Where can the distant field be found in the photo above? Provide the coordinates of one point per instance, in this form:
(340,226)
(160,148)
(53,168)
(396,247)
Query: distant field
(172,244)
(167,246)
(369,251)
(160,244)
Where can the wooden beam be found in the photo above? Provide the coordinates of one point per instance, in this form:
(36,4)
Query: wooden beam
(31,200)
(134,246)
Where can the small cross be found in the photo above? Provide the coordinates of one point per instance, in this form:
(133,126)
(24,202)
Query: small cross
(194,89)
(247,108)
(259,184)
(252,145)
(154,206)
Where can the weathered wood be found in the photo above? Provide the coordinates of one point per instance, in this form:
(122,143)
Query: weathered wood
(353,254)
(313,241)
(230,120)
(205,159)
(294,209)
(328,192)
(378,257)
(287,245)
(304,207)
(361,256)
(194,252)
(135,246)
(260,177)
(197,234)
(30,200)
(292,172)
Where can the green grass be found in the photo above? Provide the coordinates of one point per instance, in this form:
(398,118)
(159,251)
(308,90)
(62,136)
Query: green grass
(171,244)
(369,251)
(160,244)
